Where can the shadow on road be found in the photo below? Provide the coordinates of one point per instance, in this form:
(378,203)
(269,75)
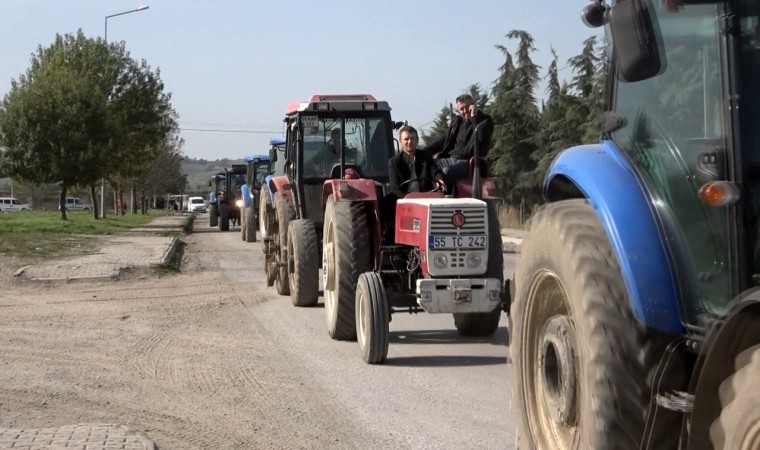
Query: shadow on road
(446,361)
(500,337)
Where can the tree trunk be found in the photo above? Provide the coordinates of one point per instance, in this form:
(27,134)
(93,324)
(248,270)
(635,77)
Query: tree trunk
(95,205)
(62,202)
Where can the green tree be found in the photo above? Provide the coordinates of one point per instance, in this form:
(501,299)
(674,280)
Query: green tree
(84,110)
(516,119)
(440,125)
(478,95)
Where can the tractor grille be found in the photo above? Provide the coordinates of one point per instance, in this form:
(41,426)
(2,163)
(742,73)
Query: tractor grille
(476,221)
(456,259)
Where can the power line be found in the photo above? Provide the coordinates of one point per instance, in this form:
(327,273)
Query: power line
(220,130)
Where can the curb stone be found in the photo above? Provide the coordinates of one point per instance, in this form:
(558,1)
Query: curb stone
(170,251)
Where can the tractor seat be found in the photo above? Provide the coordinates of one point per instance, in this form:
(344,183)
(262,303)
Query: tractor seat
(351,172)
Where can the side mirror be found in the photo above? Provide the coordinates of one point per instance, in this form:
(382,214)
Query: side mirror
(635,40)
(595,14)
(273,155)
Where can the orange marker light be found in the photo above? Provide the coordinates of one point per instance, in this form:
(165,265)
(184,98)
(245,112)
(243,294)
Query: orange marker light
(719,193)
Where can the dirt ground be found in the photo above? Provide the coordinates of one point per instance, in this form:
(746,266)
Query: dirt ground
(212,358)
(179,357)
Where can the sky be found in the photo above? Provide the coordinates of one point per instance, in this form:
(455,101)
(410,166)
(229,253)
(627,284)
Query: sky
(234,65)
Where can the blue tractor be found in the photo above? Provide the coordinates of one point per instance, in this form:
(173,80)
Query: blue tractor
(258,167)
(636,317)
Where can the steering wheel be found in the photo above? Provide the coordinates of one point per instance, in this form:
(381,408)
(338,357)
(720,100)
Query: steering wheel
(437,188)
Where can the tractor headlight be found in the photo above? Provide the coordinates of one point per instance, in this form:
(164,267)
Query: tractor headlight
(239,203)
(441,261)
(473,260)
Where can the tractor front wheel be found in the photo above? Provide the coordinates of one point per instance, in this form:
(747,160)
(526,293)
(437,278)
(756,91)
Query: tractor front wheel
(224,217)
(243,224)
(372,318)
(266,215)
(303,263)
(284,213)
(213,215)
(249,224)
(738,426)
(582,365)
(486,324)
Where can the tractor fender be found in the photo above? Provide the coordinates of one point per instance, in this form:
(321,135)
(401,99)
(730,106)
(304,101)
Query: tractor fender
(349,191)
(736,332)
(601,174)
(212,197)
(281,184)
(245,193)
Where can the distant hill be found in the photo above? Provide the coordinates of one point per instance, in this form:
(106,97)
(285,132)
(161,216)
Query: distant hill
(199,172)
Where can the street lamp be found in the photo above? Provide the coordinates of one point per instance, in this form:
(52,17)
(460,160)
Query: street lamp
(105,37)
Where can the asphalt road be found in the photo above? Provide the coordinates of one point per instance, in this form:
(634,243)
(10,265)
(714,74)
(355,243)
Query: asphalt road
(436,390)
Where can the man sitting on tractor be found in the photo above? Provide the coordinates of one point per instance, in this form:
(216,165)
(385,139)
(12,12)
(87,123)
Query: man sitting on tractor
(412,170)
(454,149)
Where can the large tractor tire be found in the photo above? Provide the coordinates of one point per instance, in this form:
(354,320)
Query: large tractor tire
(224,217)
(213,215)
(485,324)
(284,213)
(303,263)
(266,213)
(372,317)
(249,223)
(582,365)
(738,426)
(344,258)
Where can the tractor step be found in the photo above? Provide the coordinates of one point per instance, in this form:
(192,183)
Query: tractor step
(676,401)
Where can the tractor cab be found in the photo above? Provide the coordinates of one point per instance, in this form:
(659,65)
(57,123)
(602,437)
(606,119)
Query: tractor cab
(331,136)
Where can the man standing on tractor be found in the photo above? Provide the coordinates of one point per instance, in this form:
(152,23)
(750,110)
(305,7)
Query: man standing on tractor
(454,149)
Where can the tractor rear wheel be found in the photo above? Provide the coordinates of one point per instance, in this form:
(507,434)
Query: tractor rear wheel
(344,258)
(249,224)
(582,365)
(224,217)
(284,213)
(372,318)
(485,324)
(303,263)
(213,215)
(738,426)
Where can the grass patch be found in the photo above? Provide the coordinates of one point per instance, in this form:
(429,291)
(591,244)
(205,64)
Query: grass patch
(40,234)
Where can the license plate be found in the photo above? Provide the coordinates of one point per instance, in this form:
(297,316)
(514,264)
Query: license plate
(452,242)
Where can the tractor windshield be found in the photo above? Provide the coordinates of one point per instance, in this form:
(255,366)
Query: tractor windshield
(362,141)
(261,172)
(676,122)
(237,180)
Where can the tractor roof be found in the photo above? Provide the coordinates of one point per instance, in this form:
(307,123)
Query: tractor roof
(277,140)
(338,102)
(252,158)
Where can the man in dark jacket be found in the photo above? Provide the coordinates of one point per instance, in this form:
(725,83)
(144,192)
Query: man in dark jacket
(457,145)
(412,170)
(413,165)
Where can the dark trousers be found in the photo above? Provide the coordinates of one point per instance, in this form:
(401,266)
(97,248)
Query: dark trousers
(453,169)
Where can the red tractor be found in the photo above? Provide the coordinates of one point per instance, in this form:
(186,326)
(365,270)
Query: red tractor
(330,142)
(444,256)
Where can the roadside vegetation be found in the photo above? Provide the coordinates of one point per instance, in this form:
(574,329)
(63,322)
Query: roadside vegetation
(42,234)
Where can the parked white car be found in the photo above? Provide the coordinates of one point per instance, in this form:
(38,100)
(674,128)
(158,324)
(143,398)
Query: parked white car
(12,204)
(196,204)
(76,204)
